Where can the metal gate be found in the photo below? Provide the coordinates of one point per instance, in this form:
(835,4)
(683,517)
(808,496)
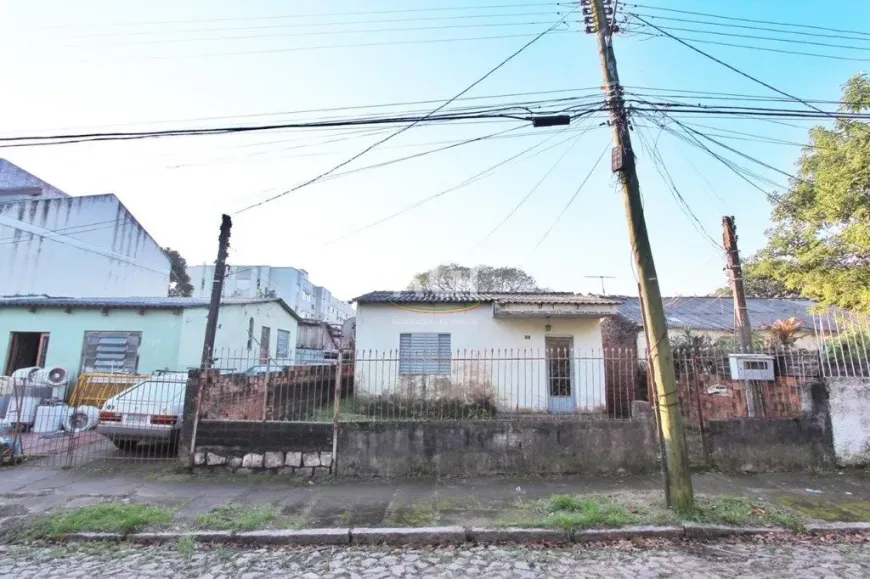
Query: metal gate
(108,417)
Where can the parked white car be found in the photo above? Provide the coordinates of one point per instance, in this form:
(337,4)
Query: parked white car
(148,412)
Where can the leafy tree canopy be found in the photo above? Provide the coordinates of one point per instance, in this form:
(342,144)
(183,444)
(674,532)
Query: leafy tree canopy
(819,245)
(179,281)
(482,278)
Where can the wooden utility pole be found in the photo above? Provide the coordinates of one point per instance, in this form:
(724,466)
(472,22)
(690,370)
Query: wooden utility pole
(217,286)
(735,273)
(623,163)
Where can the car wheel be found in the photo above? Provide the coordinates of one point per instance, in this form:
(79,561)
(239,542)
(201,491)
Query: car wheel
(126,444)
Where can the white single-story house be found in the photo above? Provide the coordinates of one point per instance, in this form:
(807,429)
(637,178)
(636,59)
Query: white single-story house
(139,335)
(533,352)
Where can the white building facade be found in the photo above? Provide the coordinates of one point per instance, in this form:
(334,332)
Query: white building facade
(57,245)
(526,352)
(309,301)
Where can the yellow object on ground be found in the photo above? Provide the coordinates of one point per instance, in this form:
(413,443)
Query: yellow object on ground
(94,388)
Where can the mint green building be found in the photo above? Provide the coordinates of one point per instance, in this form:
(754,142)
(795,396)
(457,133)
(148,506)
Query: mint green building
(141,334)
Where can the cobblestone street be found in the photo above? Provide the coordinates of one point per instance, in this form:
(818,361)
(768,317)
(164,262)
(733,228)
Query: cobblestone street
(710,559)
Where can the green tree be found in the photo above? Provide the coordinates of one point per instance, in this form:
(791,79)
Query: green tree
(482,278)
(179,281)
(819,245)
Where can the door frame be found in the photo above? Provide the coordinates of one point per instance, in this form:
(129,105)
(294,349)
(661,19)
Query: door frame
(572,382)
(41,349)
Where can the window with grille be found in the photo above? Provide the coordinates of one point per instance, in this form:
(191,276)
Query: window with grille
(424,354)
(282,349)
(116,352)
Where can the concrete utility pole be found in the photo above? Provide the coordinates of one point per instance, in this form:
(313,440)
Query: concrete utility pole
(216,290)
(741,312)
(623,163)
(735,272)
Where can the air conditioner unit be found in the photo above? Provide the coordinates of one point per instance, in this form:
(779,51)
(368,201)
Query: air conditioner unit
(751,367)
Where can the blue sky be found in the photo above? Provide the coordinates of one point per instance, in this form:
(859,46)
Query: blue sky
(94,64)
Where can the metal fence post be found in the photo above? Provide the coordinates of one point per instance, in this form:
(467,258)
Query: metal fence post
(266,387)
(336,417)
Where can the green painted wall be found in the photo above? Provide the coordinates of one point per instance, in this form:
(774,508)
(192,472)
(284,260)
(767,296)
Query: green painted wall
(161,332)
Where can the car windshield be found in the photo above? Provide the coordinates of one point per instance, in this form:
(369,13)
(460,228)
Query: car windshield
(155,391)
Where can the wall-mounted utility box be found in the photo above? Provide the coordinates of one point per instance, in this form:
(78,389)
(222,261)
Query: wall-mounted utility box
(751,367)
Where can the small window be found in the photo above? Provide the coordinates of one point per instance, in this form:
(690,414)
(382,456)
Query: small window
(114,352)
(282,349)
(754,365)
(424,354)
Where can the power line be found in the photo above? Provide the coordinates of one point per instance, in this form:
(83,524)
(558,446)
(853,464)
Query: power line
(411,125)
(736,169)
(734,18)
(321,14)
(315,33)
(760,37)
(67,230)
(527,195)
(329,47)
(762,28)
(573,197)
(768,49)
(476,177)
(125,259)
(354,22)
(663,172)
(738,71)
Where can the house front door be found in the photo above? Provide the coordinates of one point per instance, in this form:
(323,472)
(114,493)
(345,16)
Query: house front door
(560,374)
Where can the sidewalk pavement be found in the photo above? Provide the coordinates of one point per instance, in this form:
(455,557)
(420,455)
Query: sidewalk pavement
(24,491)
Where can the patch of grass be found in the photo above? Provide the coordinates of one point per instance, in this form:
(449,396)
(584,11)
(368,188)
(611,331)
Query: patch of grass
(416,516)
(583,512)
(235,517)
(186,546)
(345,518)
(743,511)
(576,512)
(102,518)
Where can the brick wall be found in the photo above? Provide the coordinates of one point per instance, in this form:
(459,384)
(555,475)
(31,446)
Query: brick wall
(293,393)
(625,380)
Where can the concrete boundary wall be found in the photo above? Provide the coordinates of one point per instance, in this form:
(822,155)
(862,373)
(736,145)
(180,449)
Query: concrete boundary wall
(849,400)
(465,448)
(769,444)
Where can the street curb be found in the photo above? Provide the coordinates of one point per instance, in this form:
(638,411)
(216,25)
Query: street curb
(288,537)
(416,536)
(699,531)
(170,537)
(825,528)
(488,536)
(408,536)
(646,532)
(89,537)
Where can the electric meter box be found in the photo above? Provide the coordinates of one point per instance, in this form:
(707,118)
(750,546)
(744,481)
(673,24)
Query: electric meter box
(751,367)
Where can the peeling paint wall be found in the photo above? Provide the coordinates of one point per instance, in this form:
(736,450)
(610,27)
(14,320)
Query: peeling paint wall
(78,246)
(849,399)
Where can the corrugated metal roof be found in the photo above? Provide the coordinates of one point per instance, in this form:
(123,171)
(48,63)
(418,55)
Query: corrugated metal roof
(385,297)
(717,313)
(139,303)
